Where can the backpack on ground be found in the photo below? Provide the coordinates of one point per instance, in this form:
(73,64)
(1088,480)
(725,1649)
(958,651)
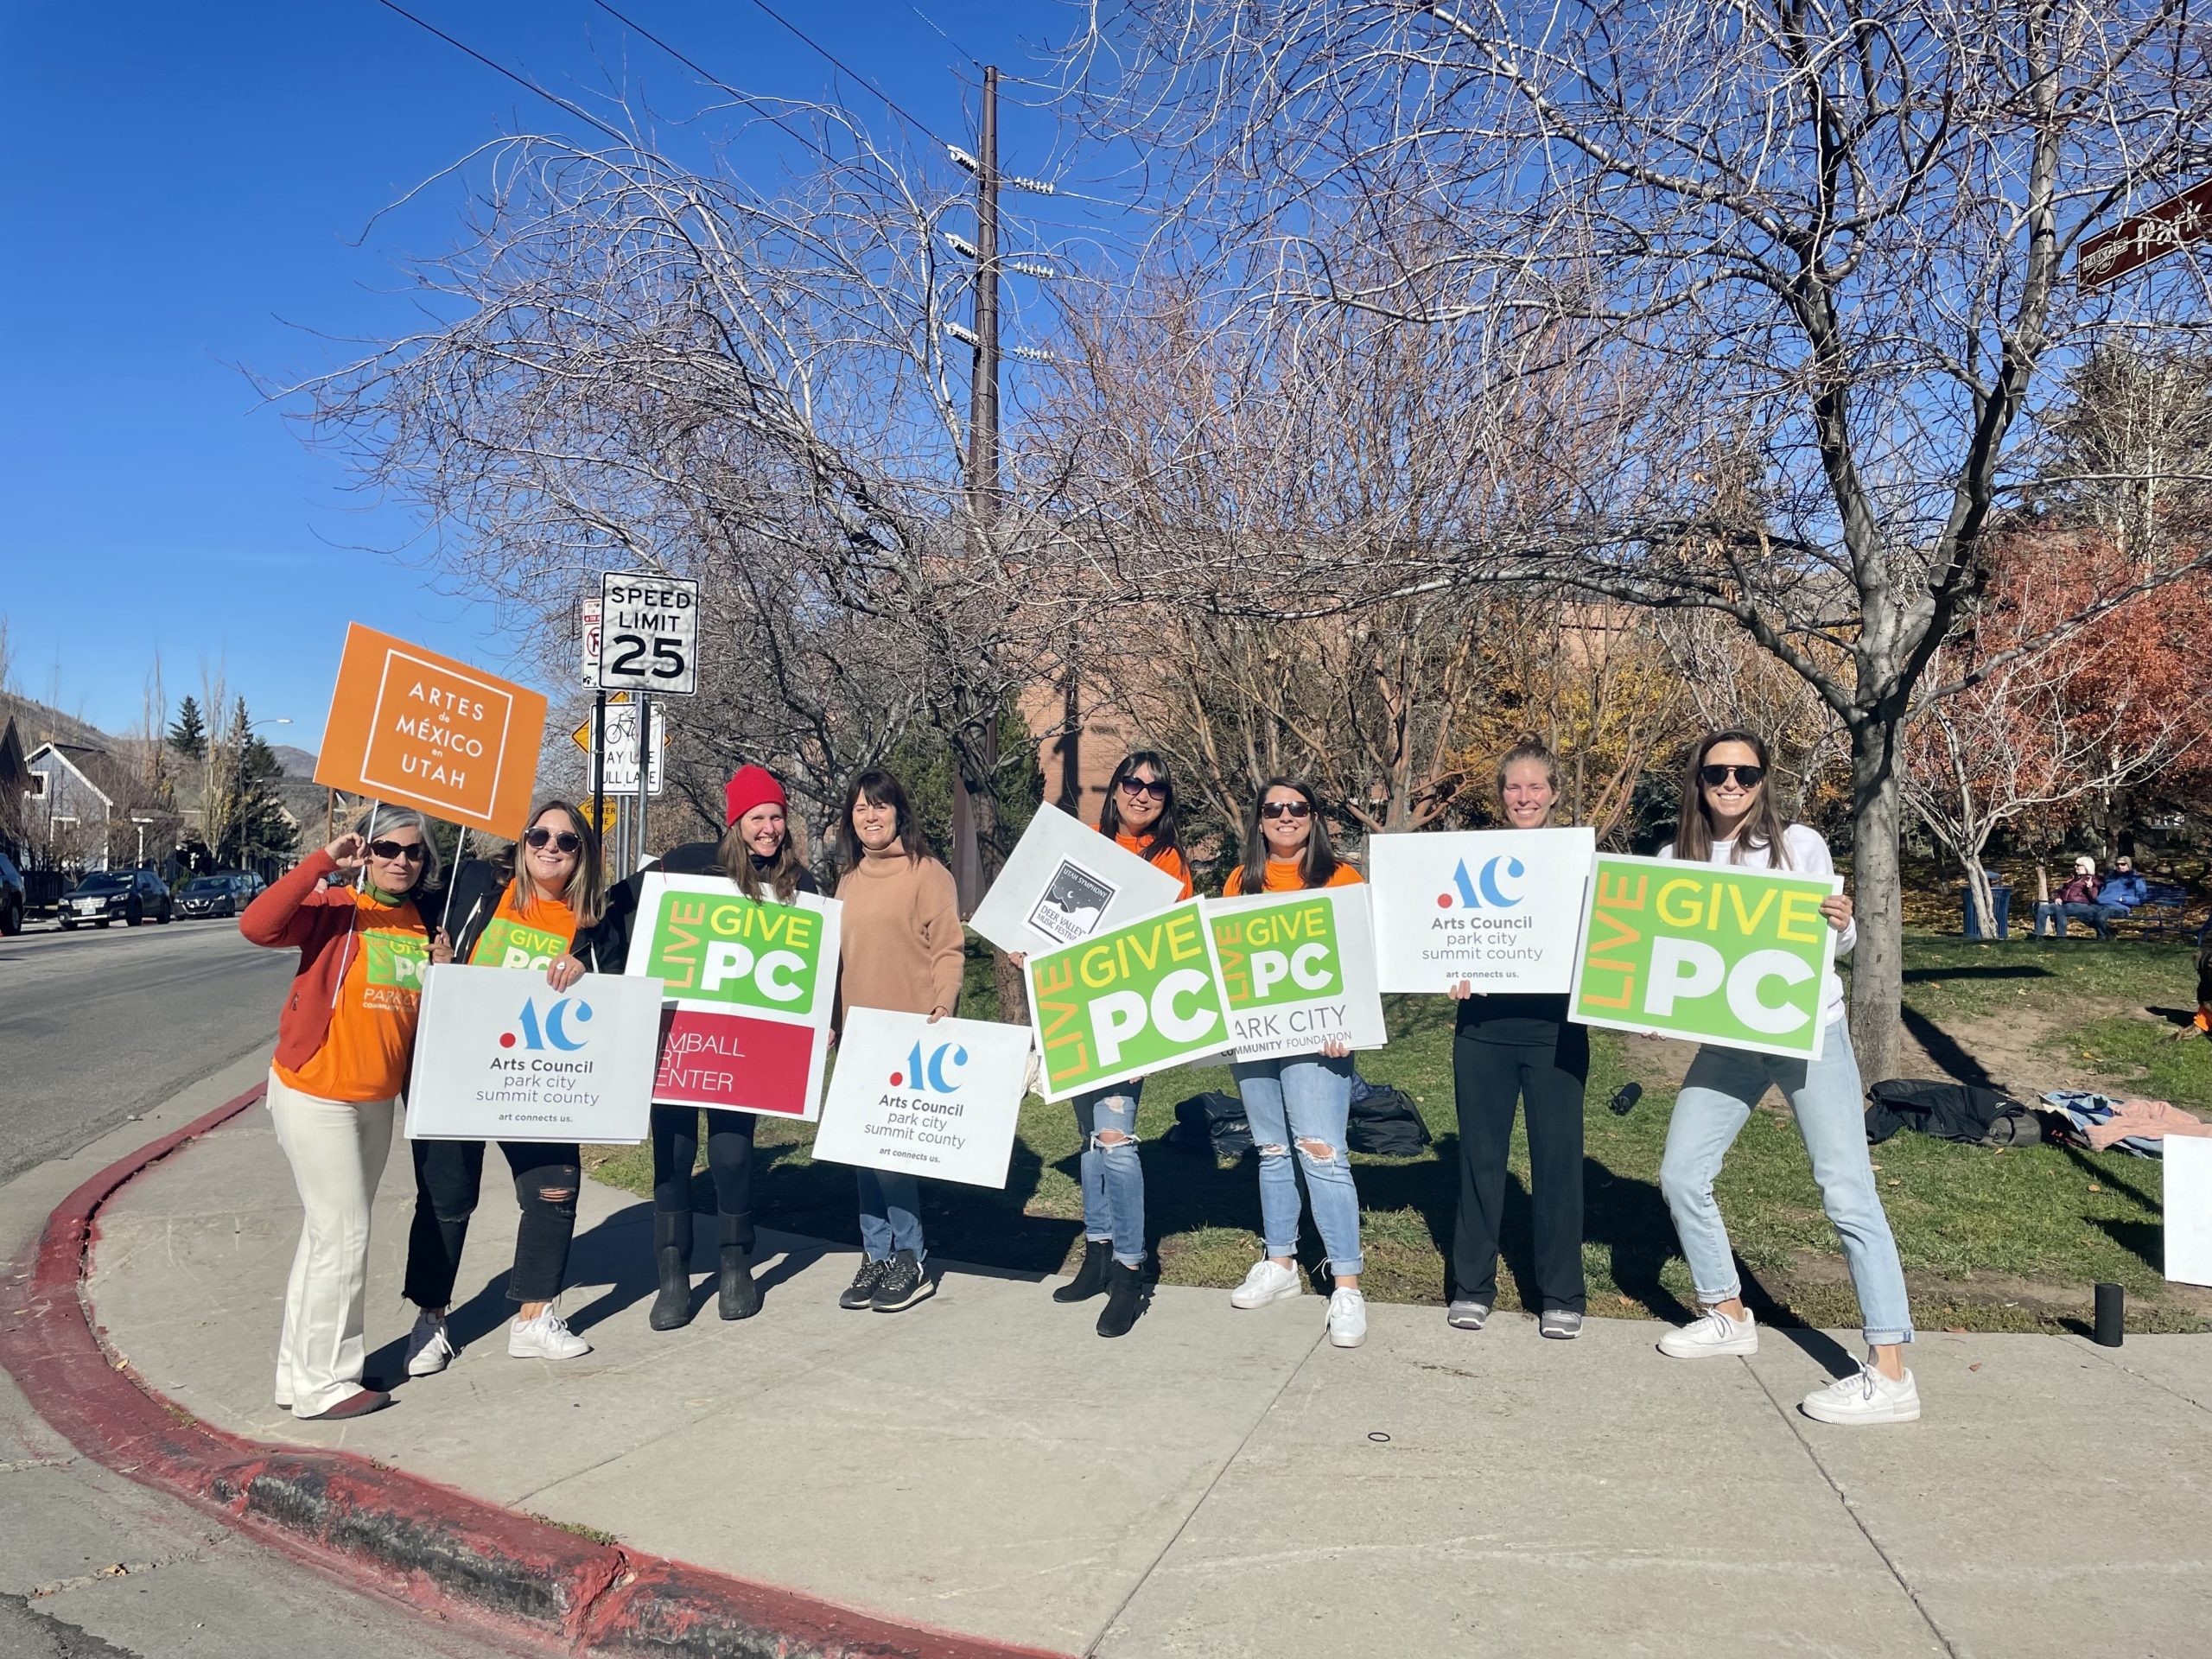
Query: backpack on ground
(1211,1122)
(1385,1121)
(1949,1111)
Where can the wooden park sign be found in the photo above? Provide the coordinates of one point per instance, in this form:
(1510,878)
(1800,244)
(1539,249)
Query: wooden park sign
(2151,234)
(413,728)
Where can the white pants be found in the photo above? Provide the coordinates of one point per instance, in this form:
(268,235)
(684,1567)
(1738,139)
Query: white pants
(337,1153)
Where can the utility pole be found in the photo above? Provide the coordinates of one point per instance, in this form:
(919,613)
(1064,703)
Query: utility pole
(982,461)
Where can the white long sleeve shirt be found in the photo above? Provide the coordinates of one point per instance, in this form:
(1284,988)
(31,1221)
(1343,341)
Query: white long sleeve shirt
(1808,855)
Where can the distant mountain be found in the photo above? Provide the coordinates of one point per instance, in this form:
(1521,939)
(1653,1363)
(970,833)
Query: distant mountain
(37,723)
(297,763)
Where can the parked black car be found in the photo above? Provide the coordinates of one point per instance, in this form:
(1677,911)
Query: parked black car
(13,896)
(225,893)
(134,895)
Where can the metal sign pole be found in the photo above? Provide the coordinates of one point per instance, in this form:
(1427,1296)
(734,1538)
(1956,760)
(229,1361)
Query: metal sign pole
(644,770)
(599,767)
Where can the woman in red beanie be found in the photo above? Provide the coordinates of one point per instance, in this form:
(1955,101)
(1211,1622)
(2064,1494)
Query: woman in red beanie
(755,855)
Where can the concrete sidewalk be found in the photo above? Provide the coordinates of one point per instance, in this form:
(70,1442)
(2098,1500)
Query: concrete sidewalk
(1222,1483)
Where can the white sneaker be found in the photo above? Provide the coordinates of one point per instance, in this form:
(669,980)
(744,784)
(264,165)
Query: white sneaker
(1712,1337)
(1266,1283)
(1347,1318)
(546,1336)
(1869,1397)
(430,1349)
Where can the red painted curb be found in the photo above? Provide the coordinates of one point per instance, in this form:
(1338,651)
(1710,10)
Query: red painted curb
(389,1533)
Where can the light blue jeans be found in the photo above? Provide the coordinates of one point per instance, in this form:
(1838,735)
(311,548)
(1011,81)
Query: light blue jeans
(1289,1102)
(1715,1102)
(891,1214)
(1113,1175)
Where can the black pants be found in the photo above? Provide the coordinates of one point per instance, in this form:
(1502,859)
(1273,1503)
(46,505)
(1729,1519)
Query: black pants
(448,1175)
(1487,1078)
(729,1159)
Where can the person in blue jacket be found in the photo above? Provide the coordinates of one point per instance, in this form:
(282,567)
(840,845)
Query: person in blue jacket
(2123,889)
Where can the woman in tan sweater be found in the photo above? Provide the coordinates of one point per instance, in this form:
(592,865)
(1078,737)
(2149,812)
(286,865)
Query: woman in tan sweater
(902,949)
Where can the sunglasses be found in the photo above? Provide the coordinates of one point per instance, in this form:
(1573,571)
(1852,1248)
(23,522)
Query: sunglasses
(1713,776)
(1284,810)
(392,851)
(566,840)
(1157,788)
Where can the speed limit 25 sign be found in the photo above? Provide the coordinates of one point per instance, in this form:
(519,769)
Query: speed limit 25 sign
(648,634)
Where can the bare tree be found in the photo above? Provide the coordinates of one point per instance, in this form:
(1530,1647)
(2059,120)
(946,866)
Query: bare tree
(1816,255)
(638,365)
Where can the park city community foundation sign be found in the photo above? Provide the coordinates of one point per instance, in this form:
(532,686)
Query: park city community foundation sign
(1706,952)
(414,728)
(1299,969)
(1128,1002)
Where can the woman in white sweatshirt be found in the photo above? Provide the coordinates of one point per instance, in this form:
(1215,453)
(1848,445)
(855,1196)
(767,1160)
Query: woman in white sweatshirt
(1728,818)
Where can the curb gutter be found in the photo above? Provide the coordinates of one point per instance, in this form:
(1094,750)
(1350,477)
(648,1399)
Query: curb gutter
(389,1533)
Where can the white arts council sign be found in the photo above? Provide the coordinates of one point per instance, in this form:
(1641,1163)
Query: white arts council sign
(499,1055)
(1499,908)
(937,1100)
(1064,882)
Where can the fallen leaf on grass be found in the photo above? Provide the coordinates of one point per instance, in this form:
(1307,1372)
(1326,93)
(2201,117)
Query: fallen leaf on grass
(2093,1187)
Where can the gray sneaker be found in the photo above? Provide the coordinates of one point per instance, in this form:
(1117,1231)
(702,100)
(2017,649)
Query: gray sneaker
(1563,1323)
(1463,1315)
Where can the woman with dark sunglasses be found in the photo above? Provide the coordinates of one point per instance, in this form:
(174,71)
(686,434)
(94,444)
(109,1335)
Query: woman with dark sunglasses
(1728,817)
(757,856)
(344,1042)
(522,914)
(1305,1100)
(1140,815)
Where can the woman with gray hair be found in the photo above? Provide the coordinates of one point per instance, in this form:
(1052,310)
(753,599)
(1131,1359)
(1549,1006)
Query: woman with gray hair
(344,1041)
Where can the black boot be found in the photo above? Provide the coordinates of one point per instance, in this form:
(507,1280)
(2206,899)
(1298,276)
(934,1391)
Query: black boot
(1090,1278)
(1124,1296)
(741,1297)
(673,1260)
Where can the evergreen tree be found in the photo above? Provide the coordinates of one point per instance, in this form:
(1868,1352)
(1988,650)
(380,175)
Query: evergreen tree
(255,828)
(188,734)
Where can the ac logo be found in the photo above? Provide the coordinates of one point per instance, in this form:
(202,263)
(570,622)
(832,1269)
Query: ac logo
(939,1071)
(553,1031)
(1483,890)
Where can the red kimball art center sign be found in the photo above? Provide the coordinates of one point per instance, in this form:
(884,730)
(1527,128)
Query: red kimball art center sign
(2134,243)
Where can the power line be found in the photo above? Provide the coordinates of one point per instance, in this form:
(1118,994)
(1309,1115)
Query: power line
(523,81)
(835,62)
(949,41)
(713,79)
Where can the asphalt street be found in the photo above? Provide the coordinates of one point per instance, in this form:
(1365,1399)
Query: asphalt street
(97,1025)
(164,1022)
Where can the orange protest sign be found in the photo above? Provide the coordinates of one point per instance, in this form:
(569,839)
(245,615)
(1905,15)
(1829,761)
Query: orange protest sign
(411,727)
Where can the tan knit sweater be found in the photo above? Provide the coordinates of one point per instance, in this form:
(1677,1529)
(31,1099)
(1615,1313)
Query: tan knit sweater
(902,942)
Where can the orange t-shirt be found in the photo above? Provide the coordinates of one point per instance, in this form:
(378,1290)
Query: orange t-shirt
(1289,878)
(510,940)
(1171,861)
(372,1035)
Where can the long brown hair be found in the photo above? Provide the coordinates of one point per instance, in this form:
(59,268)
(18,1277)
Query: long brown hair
(1321,860)
(780,878)
(586,893)
(1166,837)
(881,789)
(1763,828)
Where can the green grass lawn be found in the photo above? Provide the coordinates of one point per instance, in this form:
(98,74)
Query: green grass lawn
(1990,1241)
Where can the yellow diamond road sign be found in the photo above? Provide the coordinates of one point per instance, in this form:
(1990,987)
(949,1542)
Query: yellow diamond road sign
(581,736)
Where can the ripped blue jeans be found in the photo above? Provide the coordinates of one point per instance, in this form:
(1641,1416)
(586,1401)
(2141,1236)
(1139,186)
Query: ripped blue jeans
(1113,1177)
(1305,1103)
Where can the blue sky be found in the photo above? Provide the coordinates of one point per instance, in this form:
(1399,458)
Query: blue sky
(189,189)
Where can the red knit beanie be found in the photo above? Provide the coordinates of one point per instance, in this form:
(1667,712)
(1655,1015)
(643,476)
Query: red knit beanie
(752,786)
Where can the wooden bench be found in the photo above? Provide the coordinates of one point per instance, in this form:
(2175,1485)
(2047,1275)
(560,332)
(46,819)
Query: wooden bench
(2162,913)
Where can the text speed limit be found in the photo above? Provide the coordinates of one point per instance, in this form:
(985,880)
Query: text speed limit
(649,633)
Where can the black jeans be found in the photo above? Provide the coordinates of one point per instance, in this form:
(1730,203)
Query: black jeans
(1487,1078)
(729,1157)
(448,1175)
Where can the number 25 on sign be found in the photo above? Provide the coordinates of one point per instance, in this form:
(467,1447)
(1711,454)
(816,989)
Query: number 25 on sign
(1708,952)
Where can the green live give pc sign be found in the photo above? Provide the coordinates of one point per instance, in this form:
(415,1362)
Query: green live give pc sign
(1133,1000)
(1708,952)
